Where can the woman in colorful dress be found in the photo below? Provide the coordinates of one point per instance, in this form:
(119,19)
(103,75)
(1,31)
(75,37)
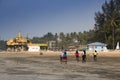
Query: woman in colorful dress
(77,56)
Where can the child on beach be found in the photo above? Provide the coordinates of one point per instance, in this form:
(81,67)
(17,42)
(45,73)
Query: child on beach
(77,56)
(95,55)
(83,56)
(63,57)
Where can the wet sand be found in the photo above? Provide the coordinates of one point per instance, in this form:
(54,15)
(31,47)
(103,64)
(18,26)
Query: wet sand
(32,66)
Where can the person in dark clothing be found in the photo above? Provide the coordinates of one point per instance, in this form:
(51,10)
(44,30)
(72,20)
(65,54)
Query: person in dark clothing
(84,56)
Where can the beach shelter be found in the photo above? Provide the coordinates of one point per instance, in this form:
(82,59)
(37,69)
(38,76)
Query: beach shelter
(99,46)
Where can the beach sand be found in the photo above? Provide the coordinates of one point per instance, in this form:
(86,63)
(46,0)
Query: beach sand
(33,66)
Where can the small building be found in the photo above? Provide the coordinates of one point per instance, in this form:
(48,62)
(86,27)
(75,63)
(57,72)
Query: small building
(52,44)
(97,46)
(37,47)
(33,48)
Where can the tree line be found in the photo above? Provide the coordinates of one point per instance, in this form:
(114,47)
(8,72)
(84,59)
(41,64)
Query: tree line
(66,40)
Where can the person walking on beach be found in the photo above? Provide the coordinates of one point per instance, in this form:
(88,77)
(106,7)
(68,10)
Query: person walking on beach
(95,56)
(77,56)
(83,56)
(63,57)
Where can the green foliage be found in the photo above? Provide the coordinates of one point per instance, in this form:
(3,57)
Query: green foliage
(108,23)
(47,37)
(2,45)
(64,40)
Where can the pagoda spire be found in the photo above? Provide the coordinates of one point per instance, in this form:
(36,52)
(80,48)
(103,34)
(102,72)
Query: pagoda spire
(19,35)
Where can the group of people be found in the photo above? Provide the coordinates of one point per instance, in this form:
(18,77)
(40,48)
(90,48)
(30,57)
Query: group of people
(63,56)
(83,56)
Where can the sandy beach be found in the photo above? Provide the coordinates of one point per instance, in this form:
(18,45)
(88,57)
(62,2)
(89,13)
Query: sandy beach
(33,66)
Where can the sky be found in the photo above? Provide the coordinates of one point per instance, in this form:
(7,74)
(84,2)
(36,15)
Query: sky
(38,17)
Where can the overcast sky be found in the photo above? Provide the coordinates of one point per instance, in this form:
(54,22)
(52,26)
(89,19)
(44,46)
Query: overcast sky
(38,17)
